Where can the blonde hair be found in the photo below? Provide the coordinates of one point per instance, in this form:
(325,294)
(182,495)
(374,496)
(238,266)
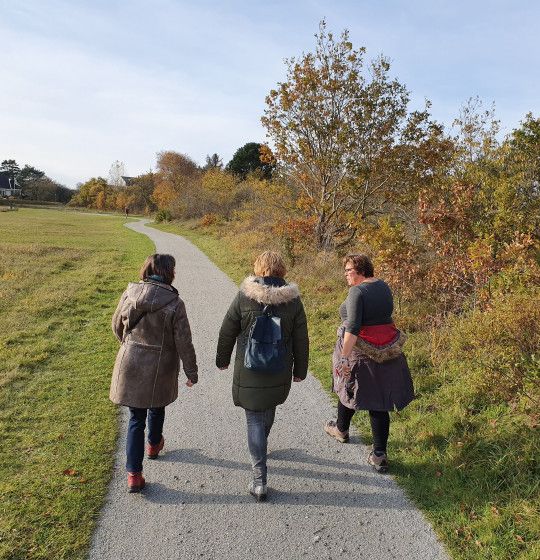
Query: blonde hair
(270,263)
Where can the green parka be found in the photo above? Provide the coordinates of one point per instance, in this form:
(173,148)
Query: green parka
(257,390)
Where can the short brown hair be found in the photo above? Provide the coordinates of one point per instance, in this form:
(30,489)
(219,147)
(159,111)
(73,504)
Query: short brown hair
(270,263)
(159,265)
(361,263)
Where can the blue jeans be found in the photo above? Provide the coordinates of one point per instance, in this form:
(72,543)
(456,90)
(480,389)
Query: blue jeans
(259,424)
(135,434)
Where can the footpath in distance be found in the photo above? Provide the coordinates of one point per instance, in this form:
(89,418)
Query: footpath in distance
(324,501)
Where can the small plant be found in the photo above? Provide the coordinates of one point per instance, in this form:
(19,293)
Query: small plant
(209,219)
(163,216)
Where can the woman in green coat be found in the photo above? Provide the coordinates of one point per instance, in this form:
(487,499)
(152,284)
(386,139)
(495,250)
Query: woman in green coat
(259,392)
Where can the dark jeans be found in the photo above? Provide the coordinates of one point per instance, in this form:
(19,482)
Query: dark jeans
(259,424)
(135,434)
(379,420)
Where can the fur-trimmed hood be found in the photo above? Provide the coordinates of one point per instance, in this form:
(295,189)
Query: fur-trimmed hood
(268,294)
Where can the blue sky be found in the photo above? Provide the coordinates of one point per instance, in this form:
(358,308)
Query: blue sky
(87,83)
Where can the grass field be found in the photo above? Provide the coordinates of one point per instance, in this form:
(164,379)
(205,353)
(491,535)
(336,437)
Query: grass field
(472,465)
(61,275)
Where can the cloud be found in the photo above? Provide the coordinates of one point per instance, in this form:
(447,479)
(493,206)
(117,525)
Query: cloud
(92,82)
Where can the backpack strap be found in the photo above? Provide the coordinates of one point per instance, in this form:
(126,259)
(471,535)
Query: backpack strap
(267,310)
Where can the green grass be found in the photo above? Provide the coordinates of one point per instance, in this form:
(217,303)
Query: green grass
(61,275)
(469,460)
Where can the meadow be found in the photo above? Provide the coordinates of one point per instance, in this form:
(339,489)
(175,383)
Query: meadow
(466,451)
(61,274)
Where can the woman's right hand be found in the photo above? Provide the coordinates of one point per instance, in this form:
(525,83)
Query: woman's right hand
(343,367)
(189,383)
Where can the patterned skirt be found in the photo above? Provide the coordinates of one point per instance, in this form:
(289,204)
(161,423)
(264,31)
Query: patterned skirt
(371,385)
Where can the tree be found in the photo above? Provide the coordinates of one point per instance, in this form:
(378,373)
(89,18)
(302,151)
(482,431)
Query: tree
(213,162)
(116,172)
(177,178)
(219,189)
(140,192)
(95,193)
(28,174)
(344,138)
(10,165)
(35,184)
(247,159)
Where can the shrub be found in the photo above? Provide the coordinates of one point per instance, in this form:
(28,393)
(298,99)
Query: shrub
(163,216)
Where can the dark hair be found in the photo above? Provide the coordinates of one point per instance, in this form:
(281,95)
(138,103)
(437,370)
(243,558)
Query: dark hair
(159,265)
(361,263)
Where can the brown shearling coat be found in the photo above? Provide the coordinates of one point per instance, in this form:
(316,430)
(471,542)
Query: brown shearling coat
(151,323)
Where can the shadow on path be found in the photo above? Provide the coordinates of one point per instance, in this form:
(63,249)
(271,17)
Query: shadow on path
(161,494)
(195,457)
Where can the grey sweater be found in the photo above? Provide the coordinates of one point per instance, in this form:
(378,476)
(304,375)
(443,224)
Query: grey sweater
(367,304)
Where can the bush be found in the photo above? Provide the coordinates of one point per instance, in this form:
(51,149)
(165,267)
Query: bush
(163,216)
(495,352)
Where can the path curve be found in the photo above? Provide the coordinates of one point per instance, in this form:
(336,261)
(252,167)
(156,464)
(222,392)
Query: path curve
(324,501)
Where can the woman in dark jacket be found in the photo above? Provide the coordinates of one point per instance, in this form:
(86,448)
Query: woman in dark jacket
(152,326)
(259,392)
(370,371)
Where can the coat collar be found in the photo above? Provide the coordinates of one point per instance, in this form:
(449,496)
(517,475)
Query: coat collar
(267,294)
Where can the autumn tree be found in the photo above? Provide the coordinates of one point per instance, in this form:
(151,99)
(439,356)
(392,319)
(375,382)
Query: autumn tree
(344,137)
(95,193)
(177,183)
(482,215)
(139,193)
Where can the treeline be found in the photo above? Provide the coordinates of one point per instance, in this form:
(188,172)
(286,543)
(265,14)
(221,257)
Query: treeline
(352,166)
(34,183)
(179,188)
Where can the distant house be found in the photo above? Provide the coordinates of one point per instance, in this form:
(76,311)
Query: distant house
(126,181)
(8,185)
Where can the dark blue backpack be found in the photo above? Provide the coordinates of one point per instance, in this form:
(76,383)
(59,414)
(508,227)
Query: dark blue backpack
(265,350)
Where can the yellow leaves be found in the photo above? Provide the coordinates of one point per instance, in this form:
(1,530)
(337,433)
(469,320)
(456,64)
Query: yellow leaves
(267,155)
(218,182)
(164,194)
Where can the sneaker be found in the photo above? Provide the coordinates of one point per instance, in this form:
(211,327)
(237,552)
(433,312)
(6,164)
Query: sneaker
(380,464)
(152,451)
(258,491)
(332,430)
(135,482)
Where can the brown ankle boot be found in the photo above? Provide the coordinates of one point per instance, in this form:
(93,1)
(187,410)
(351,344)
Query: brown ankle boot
(379,463)
(332,430)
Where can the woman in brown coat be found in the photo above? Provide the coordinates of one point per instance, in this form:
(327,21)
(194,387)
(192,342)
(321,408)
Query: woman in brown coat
(370,371)
(152,326)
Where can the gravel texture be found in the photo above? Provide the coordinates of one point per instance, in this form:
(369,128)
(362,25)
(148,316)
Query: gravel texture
(324,500)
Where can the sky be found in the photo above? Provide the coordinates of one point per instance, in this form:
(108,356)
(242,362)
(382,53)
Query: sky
(86,83)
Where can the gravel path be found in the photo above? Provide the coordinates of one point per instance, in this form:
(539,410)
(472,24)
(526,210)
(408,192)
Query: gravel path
(324,501)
